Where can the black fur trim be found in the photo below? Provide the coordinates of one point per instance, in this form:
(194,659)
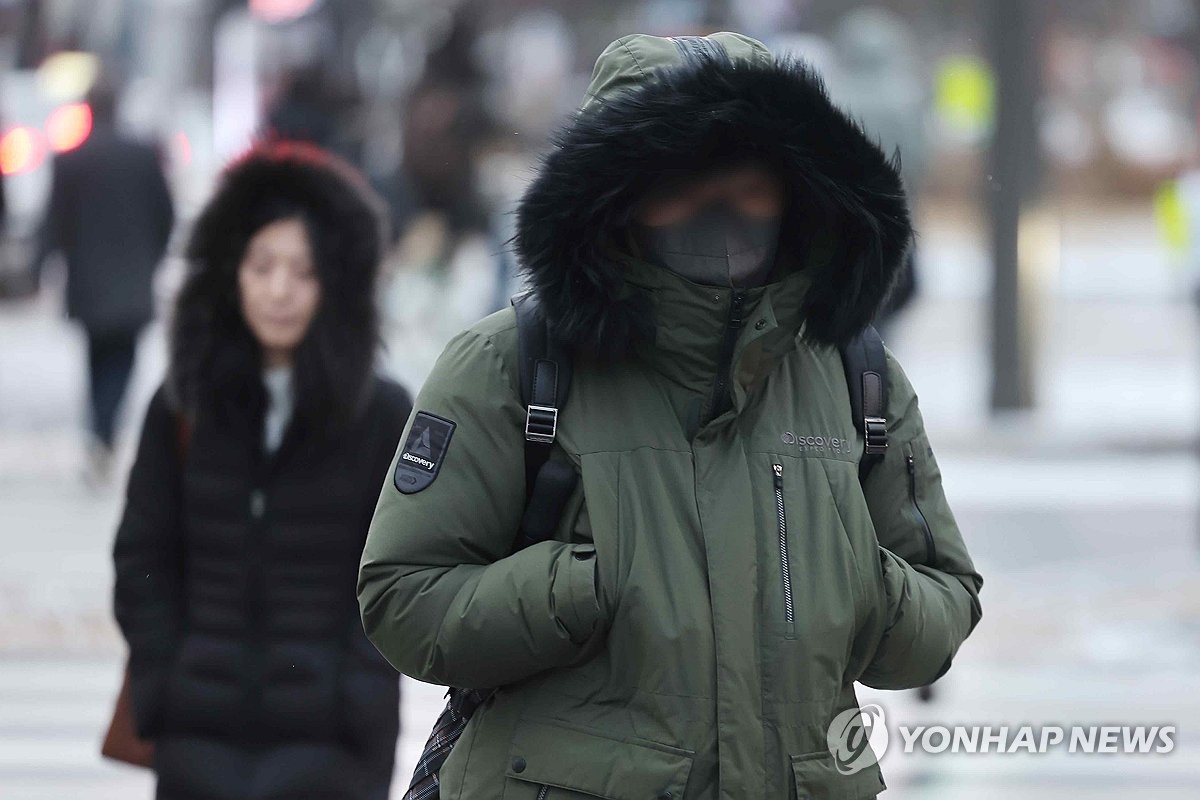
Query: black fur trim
(214,358)
(573,217)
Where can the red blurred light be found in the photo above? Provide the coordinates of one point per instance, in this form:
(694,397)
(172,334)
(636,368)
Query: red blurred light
(69,126)
(183,148)
(280,10)
(21,150)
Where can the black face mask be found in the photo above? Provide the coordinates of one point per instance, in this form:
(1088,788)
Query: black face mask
(716,246)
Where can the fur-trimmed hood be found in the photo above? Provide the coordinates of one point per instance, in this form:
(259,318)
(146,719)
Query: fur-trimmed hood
(214,357)
(680,104)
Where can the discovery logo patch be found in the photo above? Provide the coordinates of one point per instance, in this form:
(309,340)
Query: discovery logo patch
(423,452)
(816,442)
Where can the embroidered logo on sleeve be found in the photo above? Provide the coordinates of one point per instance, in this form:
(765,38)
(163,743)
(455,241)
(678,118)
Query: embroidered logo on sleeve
(423,452)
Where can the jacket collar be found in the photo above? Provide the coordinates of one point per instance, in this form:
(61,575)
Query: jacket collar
(690,323)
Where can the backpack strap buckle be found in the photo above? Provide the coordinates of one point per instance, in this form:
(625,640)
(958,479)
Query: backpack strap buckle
(541,424)
(875,435)
(866,365)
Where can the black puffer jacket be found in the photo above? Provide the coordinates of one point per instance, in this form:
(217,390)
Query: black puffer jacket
(235,575)
(236,569)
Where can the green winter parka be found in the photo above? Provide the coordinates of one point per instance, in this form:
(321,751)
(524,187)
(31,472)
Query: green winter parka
(721,576)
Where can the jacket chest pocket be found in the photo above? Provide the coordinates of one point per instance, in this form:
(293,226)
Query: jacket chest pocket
(813,582)
(785,567)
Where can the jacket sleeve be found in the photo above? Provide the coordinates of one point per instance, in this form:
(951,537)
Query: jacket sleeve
(441,593)
(148,559)
(366,675)
(930,584)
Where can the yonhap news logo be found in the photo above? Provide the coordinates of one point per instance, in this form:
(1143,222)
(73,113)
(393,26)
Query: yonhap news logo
(858,738)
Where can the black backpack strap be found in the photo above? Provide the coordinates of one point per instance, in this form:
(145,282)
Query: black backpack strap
(545,379)
(865,362)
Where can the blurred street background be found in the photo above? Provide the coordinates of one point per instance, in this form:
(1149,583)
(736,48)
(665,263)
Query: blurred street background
(1053,151)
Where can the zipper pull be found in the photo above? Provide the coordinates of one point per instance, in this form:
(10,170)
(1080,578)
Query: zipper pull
(735,311)
(778,469)
(912,466)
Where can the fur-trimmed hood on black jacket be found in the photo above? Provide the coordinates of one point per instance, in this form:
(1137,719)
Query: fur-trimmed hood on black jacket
(214,357)
(681,104)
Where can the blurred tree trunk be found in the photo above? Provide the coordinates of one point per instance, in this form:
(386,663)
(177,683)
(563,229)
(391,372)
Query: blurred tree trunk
(1013,186)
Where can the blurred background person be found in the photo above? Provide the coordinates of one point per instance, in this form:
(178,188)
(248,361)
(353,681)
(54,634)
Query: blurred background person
(9,285)
(3,211)
(446,122)
(311,108)
(452,265)
(110,215)
(255,480)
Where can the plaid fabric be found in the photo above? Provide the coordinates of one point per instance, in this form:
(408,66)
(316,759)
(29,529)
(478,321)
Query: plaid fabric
(449,726)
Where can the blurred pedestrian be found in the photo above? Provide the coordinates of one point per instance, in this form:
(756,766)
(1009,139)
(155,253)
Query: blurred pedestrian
(314,107)
(446,122)
(110,215)
(709,232)
(256,476)
(5,268)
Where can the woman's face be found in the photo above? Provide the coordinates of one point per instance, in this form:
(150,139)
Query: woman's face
(279,289)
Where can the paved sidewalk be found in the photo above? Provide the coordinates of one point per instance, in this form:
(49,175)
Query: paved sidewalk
(53,709)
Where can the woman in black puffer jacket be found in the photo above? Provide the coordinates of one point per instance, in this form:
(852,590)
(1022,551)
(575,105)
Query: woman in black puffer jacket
(249,502)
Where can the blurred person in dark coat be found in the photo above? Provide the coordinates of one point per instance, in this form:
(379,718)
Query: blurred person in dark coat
(248,504)
(314,107)
(110,215)
(446,123)
(4,266)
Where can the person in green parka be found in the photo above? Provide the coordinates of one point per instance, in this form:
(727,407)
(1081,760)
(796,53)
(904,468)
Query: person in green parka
(706,232)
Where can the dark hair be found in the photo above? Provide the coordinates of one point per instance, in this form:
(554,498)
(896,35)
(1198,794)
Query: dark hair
(215,359)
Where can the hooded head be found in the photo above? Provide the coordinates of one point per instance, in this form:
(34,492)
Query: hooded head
(667,106)
(215,359)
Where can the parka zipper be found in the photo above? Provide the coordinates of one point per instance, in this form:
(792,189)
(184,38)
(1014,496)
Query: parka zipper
(930,552)
(544,792)
(722,398)
(788,612)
